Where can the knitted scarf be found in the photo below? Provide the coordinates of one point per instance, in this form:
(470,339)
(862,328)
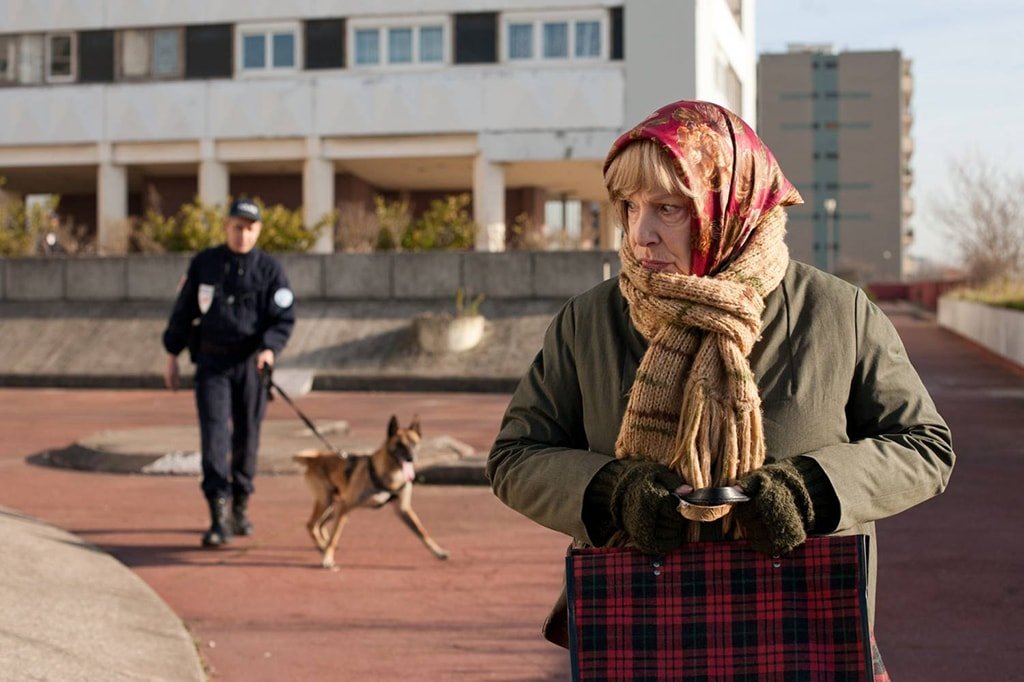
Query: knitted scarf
(694,405)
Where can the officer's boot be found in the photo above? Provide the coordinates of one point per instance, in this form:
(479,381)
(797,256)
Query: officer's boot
(242,524)
(220,523)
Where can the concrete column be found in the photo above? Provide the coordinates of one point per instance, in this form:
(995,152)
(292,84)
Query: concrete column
(111,205)
(489,204)
(318,193)
(214,177)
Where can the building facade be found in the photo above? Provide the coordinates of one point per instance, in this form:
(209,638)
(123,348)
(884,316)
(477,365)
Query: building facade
(325,104)
(840,124)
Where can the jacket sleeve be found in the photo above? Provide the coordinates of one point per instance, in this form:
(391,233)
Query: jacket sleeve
(185,311)
(280,318)
(539,464)
(901,451)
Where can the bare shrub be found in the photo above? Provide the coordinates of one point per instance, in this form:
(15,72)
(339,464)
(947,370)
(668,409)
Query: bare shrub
(982,213)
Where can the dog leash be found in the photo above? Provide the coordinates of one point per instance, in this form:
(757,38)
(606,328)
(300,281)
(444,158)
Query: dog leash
(267,375)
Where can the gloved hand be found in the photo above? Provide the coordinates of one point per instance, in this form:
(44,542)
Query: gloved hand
(776,519)
(266,374)
(638,499)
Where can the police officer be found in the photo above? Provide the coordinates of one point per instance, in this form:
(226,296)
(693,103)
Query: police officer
(235,313)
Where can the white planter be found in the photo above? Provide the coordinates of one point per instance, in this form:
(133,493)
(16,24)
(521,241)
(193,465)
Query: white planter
(1001,330)
(446,334)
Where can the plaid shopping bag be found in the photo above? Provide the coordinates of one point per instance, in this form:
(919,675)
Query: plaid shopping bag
(720,611)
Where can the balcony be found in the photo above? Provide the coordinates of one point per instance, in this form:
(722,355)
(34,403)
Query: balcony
(450,100)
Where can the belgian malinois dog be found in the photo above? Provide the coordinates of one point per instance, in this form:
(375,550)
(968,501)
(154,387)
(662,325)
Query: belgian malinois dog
(341,483)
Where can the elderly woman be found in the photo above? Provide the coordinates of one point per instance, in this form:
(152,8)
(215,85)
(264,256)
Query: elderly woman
(714,360)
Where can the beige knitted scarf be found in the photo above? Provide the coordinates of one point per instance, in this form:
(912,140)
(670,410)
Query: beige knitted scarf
(694,405)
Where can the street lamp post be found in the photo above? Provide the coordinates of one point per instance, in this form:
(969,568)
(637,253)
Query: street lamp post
(831,243)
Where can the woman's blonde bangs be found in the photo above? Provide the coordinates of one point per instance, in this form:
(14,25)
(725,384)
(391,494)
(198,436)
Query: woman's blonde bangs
(643,165)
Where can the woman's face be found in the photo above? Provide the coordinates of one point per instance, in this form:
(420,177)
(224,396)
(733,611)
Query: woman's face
(658,230)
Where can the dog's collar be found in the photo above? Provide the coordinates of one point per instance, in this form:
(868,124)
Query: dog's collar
(377,482)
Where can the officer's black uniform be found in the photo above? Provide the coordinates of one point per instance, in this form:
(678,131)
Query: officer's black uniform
(231,306)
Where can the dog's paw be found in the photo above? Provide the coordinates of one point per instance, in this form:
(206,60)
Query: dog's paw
(328,562)
(442,555)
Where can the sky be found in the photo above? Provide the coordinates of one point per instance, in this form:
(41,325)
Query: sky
(968,69)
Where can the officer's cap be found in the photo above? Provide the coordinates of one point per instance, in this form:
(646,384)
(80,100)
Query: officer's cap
(244,207)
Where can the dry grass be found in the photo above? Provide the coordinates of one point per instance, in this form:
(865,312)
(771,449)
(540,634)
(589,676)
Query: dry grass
(1004,294)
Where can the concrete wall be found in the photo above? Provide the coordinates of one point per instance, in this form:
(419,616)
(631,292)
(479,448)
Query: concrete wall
(343,276)
(1001,330)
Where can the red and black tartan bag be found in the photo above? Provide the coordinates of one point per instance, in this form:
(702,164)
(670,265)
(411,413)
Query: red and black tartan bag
(720,611)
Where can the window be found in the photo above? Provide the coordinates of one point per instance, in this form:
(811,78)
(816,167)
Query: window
(555,36)
(8,52)
(520,41)
(431,44)
(209,51)
(29,60)
(588,39)
(729,84)
(367,47)
(145,54)
(60,57)
(400,46)
(556,40)
(475,37)
(264,49)
(325,44)
(399,42)
(284,50)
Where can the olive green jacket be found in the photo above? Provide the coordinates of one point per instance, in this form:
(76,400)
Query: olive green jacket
(836,386)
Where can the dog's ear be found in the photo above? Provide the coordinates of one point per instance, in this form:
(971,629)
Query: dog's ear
(415,426)
(392,426)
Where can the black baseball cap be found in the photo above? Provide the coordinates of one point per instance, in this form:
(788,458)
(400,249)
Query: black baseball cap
(244,207)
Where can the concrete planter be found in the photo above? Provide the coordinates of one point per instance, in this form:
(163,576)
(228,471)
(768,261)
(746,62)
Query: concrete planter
(447,334)
(1001,330)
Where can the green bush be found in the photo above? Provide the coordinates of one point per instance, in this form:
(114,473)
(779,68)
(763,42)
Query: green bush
(394,219)
(20,227)
(445,225)
(197,226)
(283,229)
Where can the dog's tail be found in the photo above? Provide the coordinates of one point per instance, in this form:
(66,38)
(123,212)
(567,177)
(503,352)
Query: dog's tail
(304,457)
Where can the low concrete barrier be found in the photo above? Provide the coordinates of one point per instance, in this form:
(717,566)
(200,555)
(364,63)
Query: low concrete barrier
(154,278)
(1001,330)
(343,276)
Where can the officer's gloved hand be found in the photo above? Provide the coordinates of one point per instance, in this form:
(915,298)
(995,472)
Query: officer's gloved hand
(636,497)
(266,378)
(780,511)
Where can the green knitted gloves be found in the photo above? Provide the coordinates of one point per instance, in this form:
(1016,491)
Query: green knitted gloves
(636,497)
(780,511)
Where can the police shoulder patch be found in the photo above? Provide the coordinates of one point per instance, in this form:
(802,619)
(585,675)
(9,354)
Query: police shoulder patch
(283,298)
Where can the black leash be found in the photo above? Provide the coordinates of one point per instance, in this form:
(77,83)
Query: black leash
(268,380)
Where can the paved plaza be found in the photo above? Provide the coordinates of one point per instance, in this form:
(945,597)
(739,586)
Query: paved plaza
(950,603)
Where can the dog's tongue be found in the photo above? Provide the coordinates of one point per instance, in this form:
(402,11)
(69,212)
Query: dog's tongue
(409,472)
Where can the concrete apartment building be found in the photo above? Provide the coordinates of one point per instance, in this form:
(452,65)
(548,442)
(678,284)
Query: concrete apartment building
(840,126)
(325,103)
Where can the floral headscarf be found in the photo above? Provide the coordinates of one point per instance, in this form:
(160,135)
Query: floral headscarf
(725,164)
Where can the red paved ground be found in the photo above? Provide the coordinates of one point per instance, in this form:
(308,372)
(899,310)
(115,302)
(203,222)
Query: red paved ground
(950,601)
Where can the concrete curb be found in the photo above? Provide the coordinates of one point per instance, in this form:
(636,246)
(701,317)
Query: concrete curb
(72,611)
(173,450)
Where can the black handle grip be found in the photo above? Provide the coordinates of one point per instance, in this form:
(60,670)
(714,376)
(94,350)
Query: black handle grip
(714,497)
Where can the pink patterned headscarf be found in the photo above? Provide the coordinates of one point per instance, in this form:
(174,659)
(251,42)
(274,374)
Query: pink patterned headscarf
(730,170)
